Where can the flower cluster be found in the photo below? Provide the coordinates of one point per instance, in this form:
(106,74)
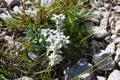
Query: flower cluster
(55,59)
(55,39)
(58,20)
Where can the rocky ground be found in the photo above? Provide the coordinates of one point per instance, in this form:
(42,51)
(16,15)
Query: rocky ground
(105,44)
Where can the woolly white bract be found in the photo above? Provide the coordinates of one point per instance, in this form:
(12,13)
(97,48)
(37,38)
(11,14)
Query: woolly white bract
(55,59)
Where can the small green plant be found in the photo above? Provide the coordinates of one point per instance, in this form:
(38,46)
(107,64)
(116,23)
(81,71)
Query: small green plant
(5,74)
(34,37)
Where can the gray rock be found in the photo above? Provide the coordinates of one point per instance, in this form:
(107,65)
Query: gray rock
(117,27)
(117,56)
(102,10)
(16,10)
(86,76)
(77,69)
(96,20)
(93,49)
(95,43)
(1,1)
(111,18)
(107,5)
(114,2)
(96,3)
(108,39)
(115,75)
(106,14)
(101,78)
(94,77)
(110,47)
(119,64)
(2,10)
(103,23)
(14,3)
(6,16)
(102,45)
(118,2)
(27,3)
(107,64)
(25,78)
(97,14)
(99,32)
(113,36)
(89,24)
(117,8)
(118,45)
(116,40)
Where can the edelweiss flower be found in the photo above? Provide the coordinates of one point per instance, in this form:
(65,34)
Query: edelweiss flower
(55,59)
(58,20)
(56,40)
(54,48)
(45,32)
(58,17)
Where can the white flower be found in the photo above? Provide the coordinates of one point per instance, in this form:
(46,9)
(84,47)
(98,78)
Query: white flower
(56,40)
(53,48)
(51,39)
(58,18)
(45,32)
(54,17)
(55,59)
(61,16)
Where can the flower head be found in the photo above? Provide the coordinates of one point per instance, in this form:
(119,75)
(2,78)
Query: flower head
(55,59)
(58,20)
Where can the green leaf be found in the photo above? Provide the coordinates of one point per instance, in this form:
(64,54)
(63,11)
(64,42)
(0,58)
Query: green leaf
(5,73)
